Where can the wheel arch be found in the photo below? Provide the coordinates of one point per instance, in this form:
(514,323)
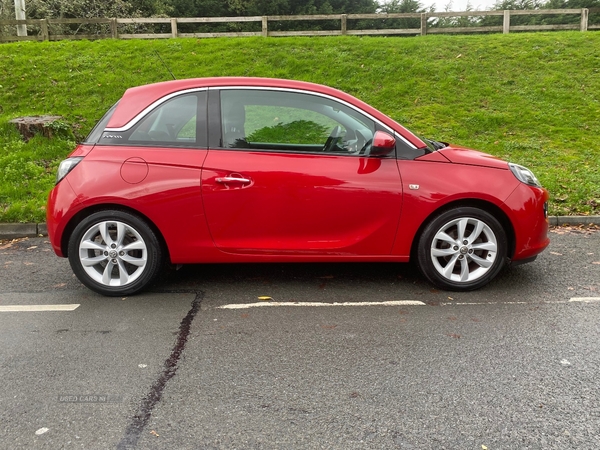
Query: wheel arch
(473,203)
(80,215)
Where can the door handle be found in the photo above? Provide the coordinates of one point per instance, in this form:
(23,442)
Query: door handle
(232,179)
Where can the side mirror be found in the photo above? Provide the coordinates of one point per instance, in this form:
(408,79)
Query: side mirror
(383,144)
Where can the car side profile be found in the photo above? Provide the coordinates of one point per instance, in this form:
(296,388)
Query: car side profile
(221,170)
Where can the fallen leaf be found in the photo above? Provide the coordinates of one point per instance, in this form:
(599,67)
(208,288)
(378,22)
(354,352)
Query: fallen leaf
(556,253)
(450,298)
(265,298)
(596,262)
(328,327)
(483,447)
(154,433)
(32,247)
(453,335)
(459,55)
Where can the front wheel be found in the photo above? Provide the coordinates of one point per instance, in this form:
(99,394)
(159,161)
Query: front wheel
(115,253)
(462,249)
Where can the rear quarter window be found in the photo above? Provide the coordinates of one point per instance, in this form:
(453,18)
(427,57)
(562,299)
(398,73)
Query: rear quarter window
(96,132)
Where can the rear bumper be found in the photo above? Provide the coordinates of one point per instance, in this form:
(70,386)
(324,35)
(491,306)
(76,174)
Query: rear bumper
(61,201)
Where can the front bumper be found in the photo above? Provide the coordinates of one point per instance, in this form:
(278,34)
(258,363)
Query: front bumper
(529,216)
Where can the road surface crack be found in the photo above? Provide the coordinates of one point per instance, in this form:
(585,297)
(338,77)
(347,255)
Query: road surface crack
(140,420)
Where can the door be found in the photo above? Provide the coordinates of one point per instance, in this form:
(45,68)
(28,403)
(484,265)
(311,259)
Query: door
(293,174)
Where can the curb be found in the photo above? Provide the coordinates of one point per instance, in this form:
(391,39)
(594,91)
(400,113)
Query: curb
(23,230)
(573,220)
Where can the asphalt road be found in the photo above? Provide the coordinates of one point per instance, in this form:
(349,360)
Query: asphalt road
(513,366)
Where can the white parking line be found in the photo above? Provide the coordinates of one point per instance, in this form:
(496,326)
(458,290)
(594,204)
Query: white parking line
(488,303)
(261,304)
(402,303)
(33,308)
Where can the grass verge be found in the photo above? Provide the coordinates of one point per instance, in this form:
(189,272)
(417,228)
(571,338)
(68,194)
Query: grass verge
(531,98)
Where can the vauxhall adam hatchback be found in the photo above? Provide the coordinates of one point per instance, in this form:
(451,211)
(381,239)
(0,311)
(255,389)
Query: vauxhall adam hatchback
(220,170)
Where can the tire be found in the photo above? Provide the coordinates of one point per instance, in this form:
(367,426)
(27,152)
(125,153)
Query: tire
(462,249)
(115,253)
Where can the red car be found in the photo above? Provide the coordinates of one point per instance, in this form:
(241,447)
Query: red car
(219,170)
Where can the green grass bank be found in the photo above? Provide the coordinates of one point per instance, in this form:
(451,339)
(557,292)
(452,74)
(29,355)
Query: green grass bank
(529,98)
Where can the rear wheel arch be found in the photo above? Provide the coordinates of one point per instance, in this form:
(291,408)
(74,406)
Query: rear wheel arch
(66,235)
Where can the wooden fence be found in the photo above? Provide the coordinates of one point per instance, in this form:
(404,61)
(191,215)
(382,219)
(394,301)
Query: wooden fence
(427,23)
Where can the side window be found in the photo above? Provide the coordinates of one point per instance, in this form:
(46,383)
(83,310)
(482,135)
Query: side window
(174,122)
(288,121)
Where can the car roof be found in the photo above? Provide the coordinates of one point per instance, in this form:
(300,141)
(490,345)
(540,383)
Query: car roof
(136,99)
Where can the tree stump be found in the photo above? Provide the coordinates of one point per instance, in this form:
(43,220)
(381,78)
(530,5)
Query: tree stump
(29,126)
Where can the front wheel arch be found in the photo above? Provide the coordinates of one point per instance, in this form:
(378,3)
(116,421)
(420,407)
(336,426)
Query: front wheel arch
(488,207)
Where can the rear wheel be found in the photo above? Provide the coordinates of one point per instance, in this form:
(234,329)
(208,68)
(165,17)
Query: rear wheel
(115,253)
(462,249)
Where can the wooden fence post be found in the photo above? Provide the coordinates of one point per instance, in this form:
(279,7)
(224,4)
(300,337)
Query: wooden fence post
(344,23)
(585,13)
(506,22)
(114,33)
(265,26)
(174,28)
(423,24)
(44,28)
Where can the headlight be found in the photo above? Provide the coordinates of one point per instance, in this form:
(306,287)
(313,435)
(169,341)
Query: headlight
(66,166)
(524,175)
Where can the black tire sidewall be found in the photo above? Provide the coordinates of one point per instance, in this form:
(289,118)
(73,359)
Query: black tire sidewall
(425,263)
(154,252)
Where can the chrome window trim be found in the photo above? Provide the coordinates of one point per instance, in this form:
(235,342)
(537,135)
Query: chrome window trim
(150,108)
(168,97)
